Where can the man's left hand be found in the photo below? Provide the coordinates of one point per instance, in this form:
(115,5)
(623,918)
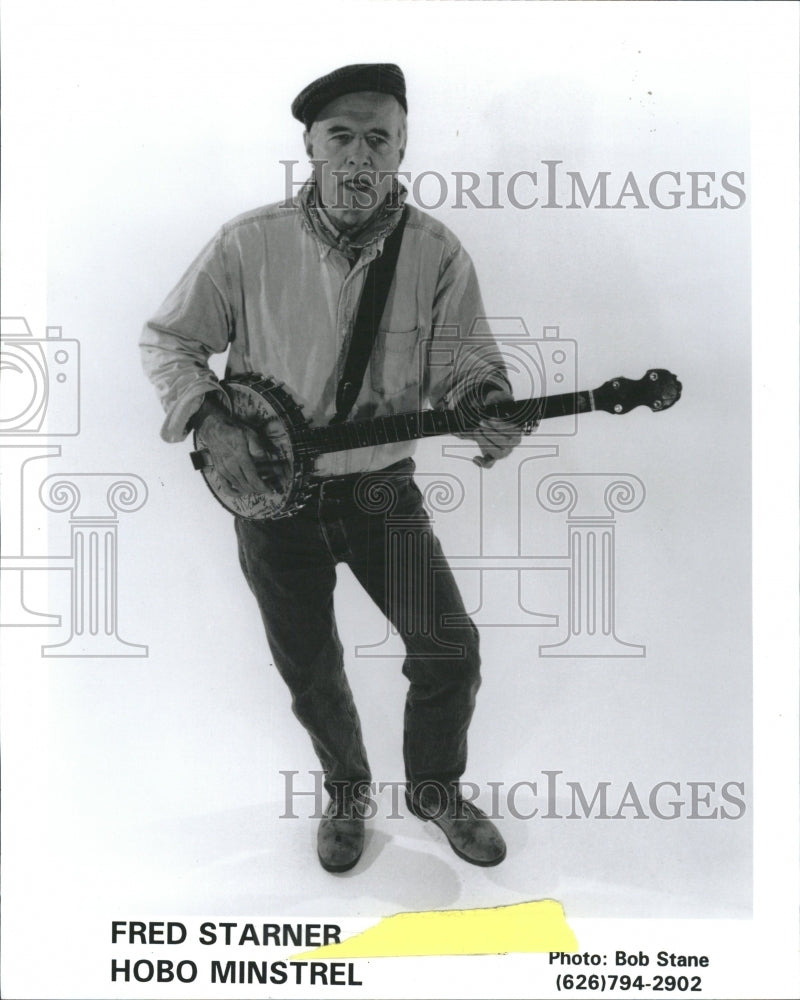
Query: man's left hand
(495,437)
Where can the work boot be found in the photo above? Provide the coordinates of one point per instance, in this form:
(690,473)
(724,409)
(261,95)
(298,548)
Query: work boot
(469,831)
(340,837)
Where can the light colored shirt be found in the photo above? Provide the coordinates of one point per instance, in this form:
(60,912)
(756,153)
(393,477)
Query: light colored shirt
(280,294)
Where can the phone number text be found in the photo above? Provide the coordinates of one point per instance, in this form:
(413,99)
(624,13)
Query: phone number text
(600,983)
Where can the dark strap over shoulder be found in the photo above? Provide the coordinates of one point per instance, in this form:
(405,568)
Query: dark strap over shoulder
(365,328)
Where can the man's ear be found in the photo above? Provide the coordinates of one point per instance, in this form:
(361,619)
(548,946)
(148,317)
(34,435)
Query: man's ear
(308,144)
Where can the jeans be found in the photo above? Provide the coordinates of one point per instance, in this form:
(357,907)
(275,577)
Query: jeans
(381,530)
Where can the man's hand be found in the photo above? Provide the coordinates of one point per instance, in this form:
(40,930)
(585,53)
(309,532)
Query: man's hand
(234,449)
(495,437)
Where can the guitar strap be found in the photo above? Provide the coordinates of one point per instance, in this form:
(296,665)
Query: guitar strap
(365,328)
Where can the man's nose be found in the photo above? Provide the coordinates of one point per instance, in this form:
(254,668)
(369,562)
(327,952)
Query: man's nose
(360,154)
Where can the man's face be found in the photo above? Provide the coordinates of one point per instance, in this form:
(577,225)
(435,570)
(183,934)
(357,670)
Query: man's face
(360,139)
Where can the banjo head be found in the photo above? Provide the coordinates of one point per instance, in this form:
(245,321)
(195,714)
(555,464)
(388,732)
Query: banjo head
(268,409)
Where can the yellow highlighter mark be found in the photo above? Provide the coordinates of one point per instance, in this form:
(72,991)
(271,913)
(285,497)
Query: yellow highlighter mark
(521,927)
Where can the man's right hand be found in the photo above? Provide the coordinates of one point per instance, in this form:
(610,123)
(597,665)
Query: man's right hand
(232,446)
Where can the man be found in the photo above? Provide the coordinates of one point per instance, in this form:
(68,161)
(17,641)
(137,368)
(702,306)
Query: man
(279,289)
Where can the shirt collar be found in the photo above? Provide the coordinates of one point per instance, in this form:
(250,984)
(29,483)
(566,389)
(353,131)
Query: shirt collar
(379,226)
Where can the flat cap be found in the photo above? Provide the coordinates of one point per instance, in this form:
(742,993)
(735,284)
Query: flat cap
(382,78)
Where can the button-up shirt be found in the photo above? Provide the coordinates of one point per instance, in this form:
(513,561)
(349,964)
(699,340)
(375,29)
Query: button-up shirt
(279,291)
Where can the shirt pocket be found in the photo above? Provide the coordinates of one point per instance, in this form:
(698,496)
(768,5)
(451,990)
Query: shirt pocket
(394,365)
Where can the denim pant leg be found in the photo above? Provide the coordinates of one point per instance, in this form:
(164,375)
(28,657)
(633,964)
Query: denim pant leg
(291,572)
(399,562)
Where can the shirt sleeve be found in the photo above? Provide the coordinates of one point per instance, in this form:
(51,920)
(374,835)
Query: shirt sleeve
(195,321)
(465,360)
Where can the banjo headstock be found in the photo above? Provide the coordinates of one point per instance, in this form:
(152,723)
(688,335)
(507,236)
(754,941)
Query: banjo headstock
(657,388)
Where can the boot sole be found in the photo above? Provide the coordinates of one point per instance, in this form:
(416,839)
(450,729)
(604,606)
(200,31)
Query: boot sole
(337,869)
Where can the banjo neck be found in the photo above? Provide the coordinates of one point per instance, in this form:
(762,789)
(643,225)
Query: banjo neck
(657,389)
(397,427)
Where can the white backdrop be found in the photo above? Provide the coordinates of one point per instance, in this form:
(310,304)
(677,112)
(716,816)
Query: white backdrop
(142,131)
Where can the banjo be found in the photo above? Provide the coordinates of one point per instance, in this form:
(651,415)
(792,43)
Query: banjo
(268,407)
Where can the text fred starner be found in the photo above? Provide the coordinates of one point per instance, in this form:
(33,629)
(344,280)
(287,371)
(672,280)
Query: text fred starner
(133,934)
